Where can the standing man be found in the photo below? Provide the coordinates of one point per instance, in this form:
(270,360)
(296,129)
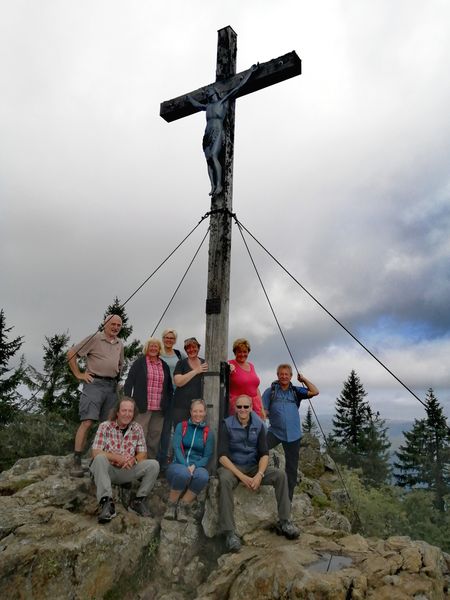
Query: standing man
(120,456)
(104,356)
(281,402)
(244,456)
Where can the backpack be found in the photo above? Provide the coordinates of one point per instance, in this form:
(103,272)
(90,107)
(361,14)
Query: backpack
(298,398)
(184,426)
(178,353)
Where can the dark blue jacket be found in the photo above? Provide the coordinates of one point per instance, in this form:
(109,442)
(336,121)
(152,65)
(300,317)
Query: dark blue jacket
(243,441)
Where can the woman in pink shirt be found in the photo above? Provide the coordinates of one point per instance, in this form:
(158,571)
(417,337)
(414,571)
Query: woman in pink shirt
(243,378)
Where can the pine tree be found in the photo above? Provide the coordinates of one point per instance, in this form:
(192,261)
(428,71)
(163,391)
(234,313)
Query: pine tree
(359,438)
(59,388)
(10,378)
(309,425)
(375,451)
(134,348)
(424,460)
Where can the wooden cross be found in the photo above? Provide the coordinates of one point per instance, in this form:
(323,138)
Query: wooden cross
(218,293)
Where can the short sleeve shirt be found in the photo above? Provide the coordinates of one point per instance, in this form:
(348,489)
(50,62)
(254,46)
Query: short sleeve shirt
(284,414)
(103,357)
(109,438)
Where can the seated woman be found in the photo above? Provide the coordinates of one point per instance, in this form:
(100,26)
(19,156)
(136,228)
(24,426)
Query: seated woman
(193,445)
(150,385)
(188,378)
(243,378)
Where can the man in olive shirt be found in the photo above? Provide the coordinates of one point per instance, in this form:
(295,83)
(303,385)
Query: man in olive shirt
(103,352)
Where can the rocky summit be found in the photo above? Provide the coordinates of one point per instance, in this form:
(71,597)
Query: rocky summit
(51,546)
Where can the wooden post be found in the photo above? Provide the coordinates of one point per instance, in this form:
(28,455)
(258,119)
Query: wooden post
(218,292)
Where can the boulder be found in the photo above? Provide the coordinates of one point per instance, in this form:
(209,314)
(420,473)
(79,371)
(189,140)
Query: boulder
(252,510)
(51,544)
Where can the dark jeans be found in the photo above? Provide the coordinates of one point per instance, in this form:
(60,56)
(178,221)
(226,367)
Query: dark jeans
(291,453)
(165,439)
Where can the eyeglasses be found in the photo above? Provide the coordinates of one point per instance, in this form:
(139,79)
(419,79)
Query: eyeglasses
(242,406)
(166,337)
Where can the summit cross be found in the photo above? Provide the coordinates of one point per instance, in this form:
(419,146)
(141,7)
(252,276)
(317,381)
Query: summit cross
(218,99)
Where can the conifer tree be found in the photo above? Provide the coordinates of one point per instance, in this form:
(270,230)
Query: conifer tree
(10,378)
(375,451)
(424,459)
(359,438)
(309,425)
(56,388)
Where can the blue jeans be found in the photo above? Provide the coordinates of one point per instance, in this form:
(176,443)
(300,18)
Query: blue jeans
(180,478)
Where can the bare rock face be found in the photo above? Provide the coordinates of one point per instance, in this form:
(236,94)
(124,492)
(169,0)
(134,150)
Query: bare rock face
(51,545)
(328,568)
(250,509)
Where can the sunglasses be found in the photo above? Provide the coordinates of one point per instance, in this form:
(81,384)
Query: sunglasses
(245,406)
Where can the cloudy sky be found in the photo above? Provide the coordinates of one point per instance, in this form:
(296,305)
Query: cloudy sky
(342,173)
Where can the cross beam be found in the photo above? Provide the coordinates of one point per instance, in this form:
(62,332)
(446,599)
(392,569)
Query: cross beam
(268,73)
(229,86)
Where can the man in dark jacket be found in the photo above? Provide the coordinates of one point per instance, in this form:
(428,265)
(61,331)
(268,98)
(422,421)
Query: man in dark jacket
(244,456)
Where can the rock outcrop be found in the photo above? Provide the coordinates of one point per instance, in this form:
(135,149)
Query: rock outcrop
(52,547)
(50,543)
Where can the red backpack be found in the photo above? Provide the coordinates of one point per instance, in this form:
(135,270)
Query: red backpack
(184,426)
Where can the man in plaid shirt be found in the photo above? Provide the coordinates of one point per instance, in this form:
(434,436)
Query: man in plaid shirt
(120,456)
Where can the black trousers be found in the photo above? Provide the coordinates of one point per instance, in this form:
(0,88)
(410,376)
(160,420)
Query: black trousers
(291,453)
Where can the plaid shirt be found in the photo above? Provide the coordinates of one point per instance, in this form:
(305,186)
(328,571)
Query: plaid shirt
(109,438)
(155,380)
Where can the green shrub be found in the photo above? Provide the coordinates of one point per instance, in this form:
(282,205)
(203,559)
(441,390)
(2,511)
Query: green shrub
(34,435)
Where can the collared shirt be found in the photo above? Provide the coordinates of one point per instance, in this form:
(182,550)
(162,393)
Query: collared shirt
(109,438)
(283,411)
(155,380)
(103,357)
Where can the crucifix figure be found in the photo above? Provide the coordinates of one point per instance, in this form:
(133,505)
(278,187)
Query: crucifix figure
(218,144)
(213,140)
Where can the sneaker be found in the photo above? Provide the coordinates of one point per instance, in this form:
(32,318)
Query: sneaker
(139,507)
(232,542)
(288,529)
(107,510)
(183,512)
(171,511)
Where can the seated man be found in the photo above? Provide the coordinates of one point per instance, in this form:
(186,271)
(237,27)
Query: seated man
(120,456)
(244,455)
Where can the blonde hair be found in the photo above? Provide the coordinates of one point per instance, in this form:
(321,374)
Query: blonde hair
(241,343)
(200,401)
(152,341)
(166,331)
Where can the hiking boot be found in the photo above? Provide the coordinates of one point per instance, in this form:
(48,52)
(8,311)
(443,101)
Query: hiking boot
(171,511)
(77,472)
(232,542)
(288,529)
(107,510)
(77,469)
(183,512)
(139,507)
